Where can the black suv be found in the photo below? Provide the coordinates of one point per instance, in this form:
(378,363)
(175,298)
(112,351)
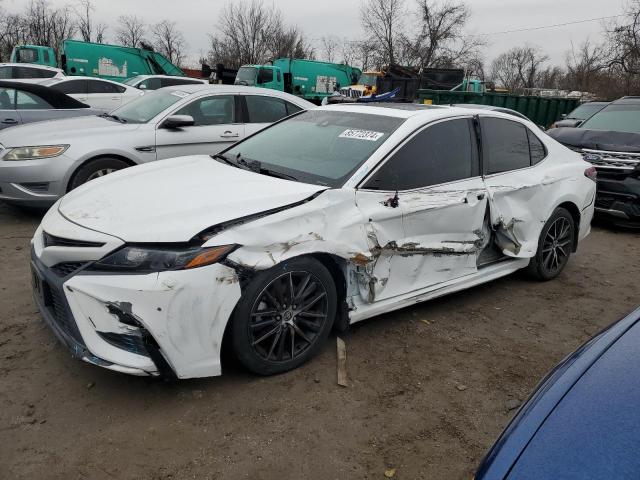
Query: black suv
(610,140)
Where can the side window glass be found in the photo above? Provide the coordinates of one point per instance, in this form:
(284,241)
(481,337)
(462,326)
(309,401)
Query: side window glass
(538,151)
(25,72)
(218,110)
(505,145)
(5,72)
(265,75)
(291,108)
(7,99)
(29,101)
(152,84)
(444,152)
(96,86)
(71,87)
(265,109)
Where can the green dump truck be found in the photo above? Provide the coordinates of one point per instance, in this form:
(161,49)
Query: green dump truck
(112,62)
(309,79)
(542,111)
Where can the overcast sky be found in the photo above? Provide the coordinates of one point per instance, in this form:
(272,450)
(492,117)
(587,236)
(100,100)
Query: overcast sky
(197,18)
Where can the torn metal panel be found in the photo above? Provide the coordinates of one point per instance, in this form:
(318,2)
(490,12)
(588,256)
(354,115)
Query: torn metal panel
(520,203)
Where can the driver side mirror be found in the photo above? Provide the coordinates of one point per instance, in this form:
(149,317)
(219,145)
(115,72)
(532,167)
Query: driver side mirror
(563,116)
(142,86)
(178,121)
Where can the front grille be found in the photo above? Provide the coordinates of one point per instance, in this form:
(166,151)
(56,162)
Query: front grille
(65,269)
(55,302)
(53,241)
(612,161)
(130,343)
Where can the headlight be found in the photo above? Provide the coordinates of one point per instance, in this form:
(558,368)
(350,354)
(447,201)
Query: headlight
(146,260)
(34,153)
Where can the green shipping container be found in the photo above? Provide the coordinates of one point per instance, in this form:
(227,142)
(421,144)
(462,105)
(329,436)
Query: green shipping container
(542,111)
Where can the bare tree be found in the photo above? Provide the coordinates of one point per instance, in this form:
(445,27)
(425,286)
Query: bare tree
(518,68)
(440,41)
(131,31)
(169,41)
(250,33)
(383,22)
(329,46)
(88,30)
(583,63)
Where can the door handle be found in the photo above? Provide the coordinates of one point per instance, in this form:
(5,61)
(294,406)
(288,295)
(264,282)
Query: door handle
(229,134)
(10,121)
(115,98)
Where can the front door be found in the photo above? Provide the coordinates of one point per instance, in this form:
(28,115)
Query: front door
(433,181)
(216,127)
(104,95)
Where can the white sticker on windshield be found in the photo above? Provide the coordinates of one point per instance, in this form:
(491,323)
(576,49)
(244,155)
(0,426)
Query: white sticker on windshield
(180,94)
(362,135)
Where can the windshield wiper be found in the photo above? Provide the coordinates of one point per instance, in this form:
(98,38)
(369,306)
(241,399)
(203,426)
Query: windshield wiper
(253,166)
(273,173)
(115,117)
(242,164)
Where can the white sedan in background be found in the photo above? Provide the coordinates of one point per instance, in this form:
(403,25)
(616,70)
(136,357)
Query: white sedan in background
(41,162)
(96,92)
(335,214)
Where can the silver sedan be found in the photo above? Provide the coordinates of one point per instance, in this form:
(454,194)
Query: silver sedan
(40,163)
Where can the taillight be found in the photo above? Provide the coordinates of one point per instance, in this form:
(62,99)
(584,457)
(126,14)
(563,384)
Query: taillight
(591,173)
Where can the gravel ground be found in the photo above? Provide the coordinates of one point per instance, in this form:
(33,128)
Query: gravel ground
(431,386)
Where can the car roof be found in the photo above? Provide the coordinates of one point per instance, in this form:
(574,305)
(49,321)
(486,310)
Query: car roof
(82,77)
(55,98)
(630,100)
(198,88)
(180,77)
(409,110)
(31,65)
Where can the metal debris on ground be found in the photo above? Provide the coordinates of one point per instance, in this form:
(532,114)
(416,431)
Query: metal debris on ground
(343,380)
(390,472)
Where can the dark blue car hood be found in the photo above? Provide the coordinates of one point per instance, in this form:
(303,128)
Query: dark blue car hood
(583,420)
(594,432)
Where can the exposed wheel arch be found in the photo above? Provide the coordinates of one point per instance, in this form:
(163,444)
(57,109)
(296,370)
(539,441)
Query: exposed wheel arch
(92,159)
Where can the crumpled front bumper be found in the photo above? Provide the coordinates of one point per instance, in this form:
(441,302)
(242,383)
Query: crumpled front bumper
(167,324)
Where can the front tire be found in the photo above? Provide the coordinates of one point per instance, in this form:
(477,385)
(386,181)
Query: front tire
(554,246)
(284,316)
(96,169)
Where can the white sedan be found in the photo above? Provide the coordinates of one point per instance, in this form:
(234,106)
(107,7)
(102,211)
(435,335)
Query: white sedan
(96,92)
(327,218)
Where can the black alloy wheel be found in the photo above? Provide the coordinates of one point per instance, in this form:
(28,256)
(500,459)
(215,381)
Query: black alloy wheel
(554,246)
(284,316)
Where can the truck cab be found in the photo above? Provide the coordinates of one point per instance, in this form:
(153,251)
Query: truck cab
(34,54)
(264,76)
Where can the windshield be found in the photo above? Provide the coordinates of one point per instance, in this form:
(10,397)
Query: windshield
(132,81)
(318,146)
(368,79)
(616,118)
(144,108)
(246,76)
(584,111)
(27,55)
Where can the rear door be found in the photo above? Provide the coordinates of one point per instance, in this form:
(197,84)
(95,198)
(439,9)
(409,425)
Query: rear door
(434,180)
(8,114)
(262,110)
(217,125)
(522,192)
(104,95)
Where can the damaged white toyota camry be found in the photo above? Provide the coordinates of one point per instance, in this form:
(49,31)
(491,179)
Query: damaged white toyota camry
(329,217)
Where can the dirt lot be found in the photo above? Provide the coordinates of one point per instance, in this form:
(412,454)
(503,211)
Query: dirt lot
(431,386)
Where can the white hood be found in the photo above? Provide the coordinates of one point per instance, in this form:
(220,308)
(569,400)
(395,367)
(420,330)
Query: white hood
(173,200)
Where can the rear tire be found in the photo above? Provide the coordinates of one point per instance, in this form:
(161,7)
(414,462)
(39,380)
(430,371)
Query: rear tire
(284,316)
(554,246)
(96,169)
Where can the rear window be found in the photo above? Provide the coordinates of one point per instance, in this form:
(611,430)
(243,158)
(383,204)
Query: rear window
(318,146)
(584,111)
(616,118)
